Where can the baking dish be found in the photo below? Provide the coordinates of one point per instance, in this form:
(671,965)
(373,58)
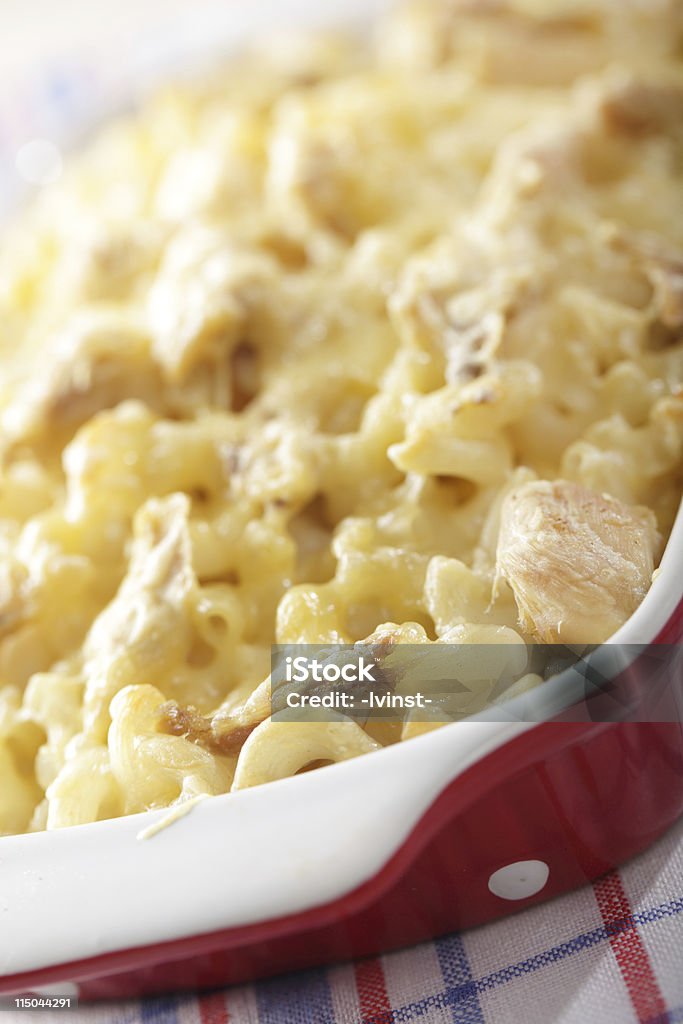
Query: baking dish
(450,830)
(447,831)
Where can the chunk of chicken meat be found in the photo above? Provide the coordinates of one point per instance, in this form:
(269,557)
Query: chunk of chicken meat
(146,631)
(662,265)
(579,563)
(99,359)
(635,107)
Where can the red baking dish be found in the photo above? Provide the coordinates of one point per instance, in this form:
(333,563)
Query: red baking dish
(449,830)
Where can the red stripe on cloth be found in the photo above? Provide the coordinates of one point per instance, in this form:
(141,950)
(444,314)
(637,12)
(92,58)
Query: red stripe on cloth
(212,1009)
(375,1007)
(627,946)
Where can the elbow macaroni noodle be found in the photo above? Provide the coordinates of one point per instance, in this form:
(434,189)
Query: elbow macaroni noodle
(349,342)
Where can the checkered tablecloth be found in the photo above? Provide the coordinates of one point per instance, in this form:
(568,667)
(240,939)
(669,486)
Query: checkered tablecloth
(611,953)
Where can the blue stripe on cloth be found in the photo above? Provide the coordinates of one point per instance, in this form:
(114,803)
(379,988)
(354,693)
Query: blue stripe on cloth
(657,913)
(674,1016)
(160,1011)
(301,999)
(456,972)
(458,994)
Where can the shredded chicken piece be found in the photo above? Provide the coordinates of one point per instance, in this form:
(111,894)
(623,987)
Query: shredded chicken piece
(662,265)
(146,626)
(579,563)
(202,730)
(100,359)
(634,107)
(200,303)
(437,307)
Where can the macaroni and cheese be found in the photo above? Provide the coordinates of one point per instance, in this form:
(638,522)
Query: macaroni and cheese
(358,340)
